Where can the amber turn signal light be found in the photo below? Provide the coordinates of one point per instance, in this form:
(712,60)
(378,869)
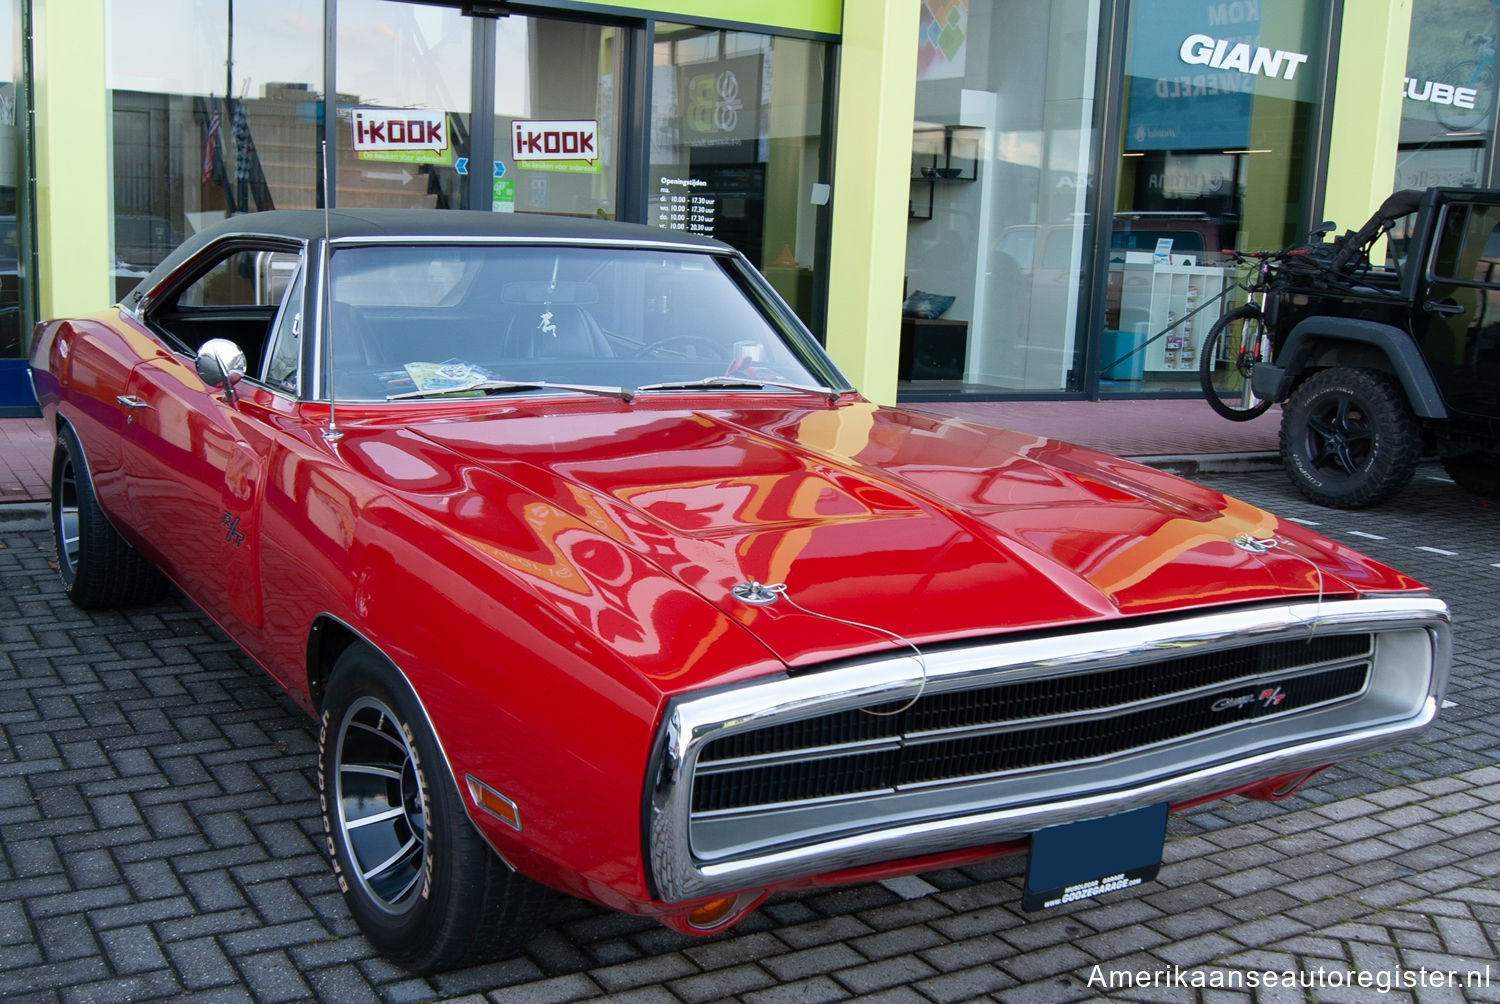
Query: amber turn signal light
(711,913)
(493,802)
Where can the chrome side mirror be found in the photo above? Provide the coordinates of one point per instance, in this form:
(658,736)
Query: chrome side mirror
(220,363)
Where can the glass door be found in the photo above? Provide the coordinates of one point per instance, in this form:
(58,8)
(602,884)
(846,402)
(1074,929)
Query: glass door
(439,109)
(404,105)
(556,105)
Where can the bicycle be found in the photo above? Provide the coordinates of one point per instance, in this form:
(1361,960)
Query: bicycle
(1239,339)
(1476,74)
(1246,336)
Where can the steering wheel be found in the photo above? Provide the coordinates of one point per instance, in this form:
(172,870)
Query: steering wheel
(716,351)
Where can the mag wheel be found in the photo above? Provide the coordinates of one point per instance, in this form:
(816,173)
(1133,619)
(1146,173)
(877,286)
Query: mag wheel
(1237,341)
(1348,438)
(98,568)
(421,883)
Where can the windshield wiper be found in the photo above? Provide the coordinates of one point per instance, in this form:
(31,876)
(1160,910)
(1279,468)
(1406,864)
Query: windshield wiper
(729,381)
(502,386)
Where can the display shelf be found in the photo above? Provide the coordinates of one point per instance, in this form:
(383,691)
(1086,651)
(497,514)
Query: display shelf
(1154,296)
(940,155)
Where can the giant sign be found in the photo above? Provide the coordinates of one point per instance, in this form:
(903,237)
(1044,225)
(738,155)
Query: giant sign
(1193,87)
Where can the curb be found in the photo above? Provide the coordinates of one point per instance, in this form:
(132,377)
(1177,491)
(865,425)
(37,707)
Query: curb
(18,516)
(1212,463)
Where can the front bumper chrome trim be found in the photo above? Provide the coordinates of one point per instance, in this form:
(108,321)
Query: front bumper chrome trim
(759,847)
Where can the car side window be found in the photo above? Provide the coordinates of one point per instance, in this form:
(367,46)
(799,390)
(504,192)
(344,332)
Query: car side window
(235,296)
(1468,246)
(285,356)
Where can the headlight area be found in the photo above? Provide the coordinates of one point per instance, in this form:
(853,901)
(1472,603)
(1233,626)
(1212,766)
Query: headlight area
(800,779)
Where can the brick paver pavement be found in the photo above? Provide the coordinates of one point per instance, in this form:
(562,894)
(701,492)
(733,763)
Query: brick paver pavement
(159,836)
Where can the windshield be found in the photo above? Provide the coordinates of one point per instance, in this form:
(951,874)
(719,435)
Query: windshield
(412,321)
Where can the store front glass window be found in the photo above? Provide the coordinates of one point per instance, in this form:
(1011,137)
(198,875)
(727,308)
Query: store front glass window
(1448,105)
(209,118)
(1217,134)
(557,113)
(403,75)
(998,233)
(12,189)
(737,149)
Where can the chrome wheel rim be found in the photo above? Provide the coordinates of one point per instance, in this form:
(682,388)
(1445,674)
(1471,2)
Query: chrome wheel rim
(381,814)
(65,517)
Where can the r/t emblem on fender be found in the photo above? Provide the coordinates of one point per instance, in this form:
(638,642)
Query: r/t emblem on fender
(233,534)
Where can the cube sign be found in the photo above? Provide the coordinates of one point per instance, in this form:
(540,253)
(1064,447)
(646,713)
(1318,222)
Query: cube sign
(393,130)
(554,140)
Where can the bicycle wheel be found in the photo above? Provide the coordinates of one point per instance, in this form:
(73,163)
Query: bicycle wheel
(1236,342)
(1468,73)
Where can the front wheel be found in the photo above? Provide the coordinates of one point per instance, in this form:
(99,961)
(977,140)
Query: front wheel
(1348,438)
(421,883)
(1236,342)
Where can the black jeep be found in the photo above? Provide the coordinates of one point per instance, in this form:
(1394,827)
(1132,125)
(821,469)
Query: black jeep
(1377,366)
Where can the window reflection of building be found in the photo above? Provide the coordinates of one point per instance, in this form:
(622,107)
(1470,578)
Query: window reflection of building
(1448,102)
(1013,82)
(1218,112)
(737,149)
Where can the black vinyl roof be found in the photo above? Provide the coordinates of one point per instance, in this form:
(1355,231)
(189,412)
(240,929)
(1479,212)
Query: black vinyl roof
(457,225)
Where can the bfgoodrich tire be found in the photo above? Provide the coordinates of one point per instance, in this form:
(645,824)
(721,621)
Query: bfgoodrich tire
(423,886)
(1348,438)
(98,568)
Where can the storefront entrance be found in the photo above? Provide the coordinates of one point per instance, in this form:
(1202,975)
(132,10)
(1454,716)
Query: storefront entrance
(442,109)
(515,109)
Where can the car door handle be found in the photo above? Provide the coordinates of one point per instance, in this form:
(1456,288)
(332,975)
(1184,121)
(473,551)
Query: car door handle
(130,401)
(1444,309)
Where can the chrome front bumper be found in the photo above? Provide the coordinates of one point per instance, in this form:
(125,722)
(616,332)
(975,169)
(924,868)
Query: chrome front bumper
(701,853)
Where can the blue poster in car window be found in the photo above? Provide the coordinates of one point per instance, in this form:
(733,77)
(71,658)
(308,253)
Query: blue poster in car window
(1195,70)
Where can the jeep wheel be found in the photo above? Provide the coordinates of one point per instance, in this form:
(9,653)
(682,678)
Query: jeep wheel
(424,887)
(1475,472)
(1348,438)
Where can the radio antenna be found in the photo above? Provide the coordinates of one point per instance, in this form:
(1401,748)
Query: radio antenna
(332,434)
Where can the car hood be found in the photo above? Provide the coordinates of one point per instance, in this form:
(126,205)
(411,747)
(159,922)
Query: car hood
(882,524)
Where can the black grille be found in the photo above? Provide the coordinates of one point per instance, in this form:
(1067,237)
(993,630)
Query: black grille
(910,757)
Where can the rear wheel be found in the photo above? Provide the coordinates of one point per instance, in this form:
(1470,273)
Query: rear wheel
(98,568)
(421,883)
(1475,472)
(1236,342)
(1348,438)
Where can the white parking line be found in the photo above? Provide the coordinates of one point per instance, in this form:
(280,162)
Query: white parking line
(1439,550)
(1304,522)
(1367,536)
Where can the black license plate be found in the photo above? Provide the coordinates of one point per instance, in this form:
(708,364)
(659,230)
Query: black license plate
(1093,856)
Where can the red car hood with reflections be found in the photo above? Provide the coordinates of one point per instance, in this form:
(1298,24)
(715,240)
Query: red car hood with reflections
(930,529)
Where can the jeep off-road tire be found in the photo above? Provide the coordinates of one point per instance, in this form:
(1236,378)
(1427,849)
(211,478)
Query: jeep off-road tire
(1348,438)
(421,883)
(1475,472)
(99,569)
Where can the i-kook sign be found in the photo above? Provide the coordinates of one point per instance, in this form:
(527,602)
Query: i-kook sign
(380,130)
(556,144)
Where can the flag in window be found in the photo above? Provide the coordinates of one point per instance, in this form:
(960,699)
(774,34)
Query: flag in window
(211,144)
